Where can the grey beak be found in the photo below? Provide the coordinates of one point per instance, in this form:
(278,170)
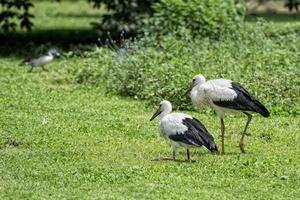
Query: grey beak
(189,88)
(157,112)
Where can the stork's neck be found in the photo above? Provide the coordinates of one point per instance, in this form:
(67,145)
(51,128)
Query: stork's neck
(164,113)
(50,54)
(198,83)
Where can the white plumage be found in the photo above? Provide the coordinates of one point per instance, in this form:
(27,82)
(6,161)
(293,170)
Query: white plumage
(224,96)
(182,130)
(171,124)
(214,90)
(41,60)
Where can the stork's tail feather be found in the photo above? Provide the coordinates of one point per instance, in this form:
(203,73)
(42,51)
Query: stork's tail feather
(212,147)
(261,109)
(24,62)
(209,143)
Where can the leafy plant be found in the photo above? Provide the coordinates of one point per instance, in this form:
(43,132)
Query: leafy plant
(208,18)
(15,9)
(124,16)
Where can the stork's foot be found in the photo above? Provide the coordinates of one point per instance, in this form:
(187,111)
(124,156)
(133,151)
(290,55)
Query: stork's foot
(242,147)
(222,153)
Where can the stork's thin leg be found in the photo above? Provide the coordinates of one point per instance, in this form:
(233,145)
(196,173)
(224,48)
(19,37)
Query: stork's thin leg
(242,145)
(43,67)
(174,154)
(30,70)
(222,135)
(188,154)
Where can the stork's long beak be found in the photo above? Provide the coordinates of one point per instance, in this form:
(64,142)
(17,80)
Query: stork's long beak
(189,88)
(157,112)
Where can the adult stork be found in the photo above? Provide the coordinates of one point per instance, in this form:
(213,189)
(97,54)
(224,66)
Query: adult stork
(41,60)
(182,130)
(224,96)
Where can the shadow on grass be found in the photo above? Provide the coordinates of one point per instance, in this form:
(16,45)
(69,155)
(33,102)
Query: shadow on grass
(274,17)
(20,44)
(171,160)
(77,15)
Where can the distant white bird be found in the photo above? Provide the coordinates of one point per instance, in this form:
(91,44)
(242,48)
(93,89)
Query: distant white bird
(182,130)
(41,60)
(225,96)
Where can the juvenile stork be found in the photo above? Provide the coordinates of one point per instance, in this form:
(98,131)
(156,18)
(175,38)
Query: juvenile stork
(224,96)
(182,130)
(41,60)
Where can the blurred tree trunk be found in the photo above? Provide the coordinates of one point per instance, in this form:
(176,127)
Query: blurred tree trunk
(292,4)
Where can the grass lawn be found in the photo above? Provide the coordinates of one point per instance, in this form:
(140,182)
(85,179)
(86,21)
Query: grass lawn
(64,141)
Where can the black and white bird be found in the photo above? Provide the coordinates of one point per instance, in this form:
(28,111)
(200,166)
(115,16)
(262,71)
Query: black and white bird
(224,96)
(182,130)
(41,60)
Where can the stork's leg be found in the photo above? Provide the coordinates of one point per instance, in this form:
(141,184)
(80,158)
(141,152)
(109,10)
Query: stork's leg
(30,70)
(188,154)
(174,154)
(43,67)
(242,145)
(174,147)
(222,136)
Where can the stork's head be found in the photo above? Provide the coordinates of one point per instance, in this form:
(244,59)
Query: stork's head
(197,80)
(53,52)
(165,107)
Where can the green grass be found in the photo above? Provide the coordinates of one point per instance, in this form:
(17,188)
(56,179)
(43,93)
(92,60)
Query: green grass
(77,142)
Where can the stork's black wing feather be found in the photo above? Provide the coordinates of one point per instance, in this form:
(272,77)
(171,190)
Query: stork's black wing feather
(196,135)
(244,101)
(27,61)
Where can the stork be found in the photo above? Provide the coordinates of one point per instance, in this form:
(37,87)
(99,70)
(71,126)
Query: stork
(182,130)
(224,96)
(41,60)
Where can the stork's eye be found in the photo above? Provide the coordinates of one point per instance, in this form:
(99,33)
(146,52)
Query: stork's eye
(194,80)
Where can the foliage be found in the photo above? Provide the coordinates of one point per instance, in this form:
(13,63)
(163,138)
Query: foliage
(205,17)
(200,17)
(124,16)
(11,10)
(292,4)
(268,66)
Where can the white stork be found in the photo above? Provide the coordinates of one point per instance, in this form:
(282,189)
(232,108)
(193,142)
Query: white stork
(41,60)
(182,130)
(224,96)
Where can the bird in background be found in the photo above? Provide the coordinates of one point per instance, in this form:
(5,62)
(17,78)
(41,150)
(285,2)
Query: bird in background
(182,130)
(225,96)
(41,60)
